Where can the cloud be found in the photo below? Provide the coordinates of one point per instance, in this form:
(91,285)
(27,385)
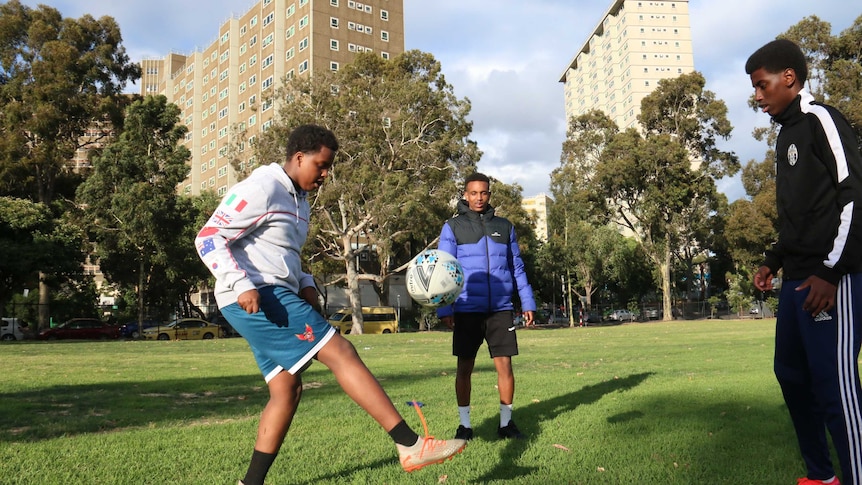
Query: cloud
(507,56)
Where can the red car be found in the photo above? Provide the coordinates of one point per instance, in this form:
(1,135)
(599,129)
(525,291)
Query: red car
(81,328)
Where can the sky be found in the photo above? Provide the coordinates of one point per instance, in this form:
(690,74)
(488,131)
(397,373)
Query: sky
(507,56)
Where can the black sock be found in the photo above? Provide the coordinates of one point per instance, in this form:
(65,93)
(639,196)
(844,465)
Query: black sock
(403,435)
(258,468)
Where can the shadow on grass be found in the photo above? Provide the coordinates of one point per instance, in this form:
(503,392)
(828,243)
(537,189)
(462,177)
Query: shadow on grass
(51,412)
(537,412)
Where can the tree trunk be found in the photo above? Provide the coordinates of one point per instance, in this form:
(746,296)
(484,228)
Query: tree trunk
(44,304)
(351,262)
(664,268)
(141,297)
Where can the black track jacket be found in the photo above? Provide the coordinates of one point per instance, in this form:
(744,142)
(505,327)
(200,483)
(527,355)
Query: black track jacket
(819,194)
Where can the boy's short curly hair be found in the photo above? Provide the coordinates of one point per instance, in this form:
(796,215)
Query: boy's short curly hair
(477,177)
(309,139)
(777,56)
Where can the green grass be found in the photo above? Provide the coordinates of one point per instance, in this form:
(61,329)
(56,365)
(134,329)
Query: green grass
(680,402)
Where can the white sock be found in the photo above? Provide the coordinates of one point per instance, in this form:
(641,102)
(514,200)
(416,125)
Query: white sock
(828,481)
(464,414)
(505,414)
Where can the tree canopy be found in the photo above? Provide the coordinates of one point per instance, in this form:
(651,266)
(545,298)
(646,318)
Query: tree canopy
(404,146)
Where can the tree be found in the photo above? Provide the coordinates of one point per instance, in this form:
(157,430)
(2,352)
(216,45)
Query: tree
(57,78)
(682,108)
(580,238)
(645,184)
(404,146)
(131,201)
(30,239)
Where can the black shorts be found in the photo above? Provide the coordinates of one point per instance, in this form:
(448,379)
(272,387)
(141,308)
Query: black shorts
(471,329)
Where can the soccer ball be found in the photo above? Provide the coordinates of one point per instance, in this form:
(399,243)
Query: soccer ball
(434,278)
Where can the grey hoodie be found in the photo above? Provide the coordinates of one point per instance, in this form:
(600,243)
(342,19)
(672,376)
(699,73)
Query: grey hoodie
(255,236)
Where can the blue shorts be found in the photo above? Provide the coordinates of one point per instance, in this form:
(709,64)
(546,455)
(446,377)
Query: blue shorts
(285,334)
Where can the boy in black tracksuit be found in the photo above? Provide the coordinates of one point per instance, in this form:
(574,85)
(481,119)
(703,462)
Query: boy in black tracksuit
(818,330)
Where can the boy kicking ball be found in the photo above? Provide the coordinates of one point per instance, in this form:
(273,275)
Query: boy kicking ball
(252,245)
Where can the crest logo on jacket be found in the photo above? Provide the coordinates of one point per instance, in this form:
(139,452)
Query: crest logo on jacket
(792,154)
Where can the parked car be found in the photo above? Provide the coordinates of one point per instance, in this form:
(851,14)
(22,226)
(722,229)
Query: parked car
(81,328)
(12,329)
(652,313)
(130,329)
(621,316)
(375,319)
(184,329)
(592,317)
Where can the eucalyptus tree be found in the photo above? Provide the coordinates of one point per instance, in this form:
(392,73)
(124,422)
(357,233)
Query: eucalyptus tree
(681,108)
(404,146)
(131,203)
(58,77)
(577,228)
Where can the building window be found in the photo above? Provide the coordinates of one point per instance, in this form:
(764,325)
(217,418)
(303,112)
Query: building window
(384,15)
(333,66)
(269,18)
(333,44)
(288,33)
(303,66)
(267,61)
(303,44)
(252,41)
(334,3)
(288,55)
(384,55)
(291,10)
(333,22)
(266,83)
(303,22)
(252,80)
(384,36)
(267,40)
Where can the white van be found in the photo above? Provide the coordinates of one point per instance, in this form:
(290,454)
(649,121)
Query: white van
(376,319)
(11,329)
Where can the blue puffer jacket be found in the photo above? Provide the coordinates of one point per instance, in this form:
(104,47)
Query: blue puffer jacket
(487,248)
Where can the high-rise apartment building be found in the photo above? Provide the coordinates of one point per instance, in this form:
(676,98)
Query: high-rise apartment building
(636,44)
(221,88)
(538,207)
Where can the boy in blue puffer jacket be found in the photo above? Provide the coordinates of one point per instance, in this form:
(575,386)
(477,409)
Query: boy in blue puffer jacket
(487,248)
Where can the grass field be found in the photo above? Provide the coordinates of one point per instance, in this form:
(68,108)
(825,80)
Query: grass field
(687,402)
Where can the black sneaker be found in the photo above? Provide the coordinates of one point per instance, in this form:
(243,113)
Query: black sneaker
(463,433)
(510,431)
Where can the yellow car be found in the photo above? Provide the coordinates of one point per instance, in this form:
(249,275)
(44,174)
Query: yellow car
(377,319)
(184,329)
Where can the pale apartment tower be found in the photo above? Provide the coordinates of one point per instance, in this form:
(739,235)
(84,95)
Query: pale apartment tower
(219,88)
(634,45)
(537,207)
